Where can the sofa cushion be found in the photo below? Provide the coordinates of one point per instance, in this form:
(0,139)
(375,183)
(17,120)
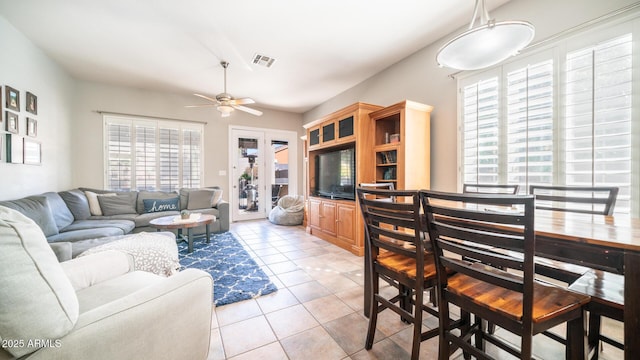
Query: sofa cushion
(94,204)
(114,205)
(145,194)
(37,209)
(125,225)
(184,194)
(77,203)
(159,205)
(83,234)
(38,300)
(61,213)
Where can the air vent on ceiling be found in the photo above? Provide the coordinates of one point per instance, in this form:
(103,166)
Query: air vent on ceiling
(263,60)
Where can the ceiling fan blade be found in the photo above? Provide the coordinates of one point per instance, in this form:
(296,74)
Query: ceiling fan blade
(206,97)
(200,105)
(244,101)
(249,110)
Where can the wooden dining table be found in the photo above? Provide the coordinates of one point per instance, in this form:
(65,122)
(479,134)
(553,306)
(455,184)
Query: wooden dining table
(610,243)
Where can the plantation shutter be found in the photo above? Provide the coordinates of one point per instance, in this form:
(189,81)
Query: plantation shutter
(481,131)
(145,155)
(152,154)
(169,156)
(119,156)
(191,153)
(597,129)
(530,125)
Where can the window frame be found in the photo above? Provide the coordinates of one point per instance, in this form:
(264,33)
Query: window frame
(557,51)
(157,124)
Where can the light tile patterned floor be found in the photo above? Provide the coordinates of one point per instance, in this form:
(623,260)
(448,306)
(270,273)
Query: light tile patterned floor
(317,313)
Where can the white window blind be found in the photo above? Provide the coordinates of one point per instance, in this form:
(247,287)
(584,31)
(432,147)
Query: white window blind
(481,131)
(530,125)
(597,117)
(152,154)
(559,117)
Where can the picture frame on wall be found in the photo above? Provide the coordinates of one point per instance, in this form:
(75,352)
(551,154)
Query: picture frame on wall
(32,103)
(15,149)
(32,127)
(12,122)
(11,98)
(32,152)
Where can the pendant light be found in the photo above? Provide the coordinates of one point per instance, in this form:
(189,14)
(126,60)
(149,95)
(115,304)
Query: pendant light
(488,44)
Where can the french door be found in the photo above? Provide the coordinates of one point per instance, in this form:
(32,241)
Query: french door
(263,168)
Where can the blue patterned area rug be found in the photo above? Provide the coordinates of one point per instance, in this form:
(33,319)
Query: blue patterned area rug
(236,276)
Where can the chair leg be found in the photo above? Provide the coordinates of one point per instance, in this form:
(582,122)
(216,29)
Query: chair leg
(577,344)
(373,310)
(417,325)
(594,335)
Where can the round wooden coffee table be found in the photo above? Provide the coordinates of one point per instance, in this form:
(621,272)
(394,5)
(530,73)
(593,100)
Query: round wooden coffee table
(174,222)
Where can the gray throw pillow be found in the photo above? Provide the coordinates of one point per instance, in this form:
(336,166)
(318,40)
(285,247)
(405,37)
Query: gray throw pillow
(37,209)
(199,199)
(77,202)
(160,205)
(116,205)
(38,300)
(145,194)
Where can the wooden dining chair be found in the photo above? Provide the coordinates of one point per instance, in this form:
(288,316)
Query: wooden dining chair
(578,199)
(493,286)
(605,288)
(490,189)
(397,253)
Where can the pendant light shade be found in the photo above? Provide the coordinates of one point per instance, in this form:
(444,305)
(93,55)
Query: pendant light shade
(488,44)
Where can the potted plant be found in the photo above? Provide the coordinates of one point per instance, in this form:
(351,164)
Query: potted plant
(185,214)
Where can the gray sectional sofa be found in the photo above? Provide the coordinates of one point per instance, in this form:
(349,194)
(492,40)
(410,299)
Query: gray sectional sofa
(72,225)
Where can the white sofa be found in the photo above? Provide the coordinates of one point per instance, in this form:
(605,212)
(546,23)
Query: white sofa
(96,306)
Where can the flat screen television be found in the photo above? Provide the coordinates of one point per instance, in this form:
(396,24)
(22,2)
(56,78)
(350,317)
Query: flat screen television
(336,174)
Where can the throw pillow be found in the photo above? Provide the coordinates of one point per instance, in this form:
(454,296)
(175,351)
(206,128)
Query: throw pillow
(159,205)
(38,300)
(94,204)
(217,196)
(199,199)
(77,202)
(156,195)
(116,205)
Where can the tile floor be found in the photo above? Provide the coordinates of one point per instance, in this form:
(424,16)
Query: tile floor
(317,313)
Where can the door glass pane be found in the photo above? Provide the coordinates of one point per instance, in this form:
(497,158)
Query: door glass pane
(248,181)
(280,176)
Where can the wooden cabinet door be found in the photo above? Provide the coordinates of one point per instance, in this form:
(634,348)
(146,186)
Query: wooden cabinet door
(315,214)
(328,217)
(345,224)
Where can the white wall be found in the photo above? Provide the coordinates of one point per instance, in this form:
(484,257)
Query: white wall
(418,78)
(25,67)
(87,145)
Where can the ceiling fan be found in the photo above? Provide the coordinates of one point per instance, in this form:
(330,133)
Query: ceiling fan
(225,103)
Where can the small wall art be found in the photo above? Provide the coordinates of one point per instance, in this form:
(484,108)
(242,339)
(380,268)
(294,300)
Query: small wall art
(12,122)
(12,98)
(32,152)
(32,127)
(32,103)
(15,149)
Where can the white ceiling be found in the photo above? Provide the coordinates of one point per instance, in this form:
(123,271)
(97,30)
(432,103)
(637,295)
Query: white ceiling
(322,47)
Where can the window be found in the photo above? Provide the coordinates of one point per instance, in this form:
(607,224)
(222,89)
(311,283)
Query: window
(561,117)
(152,154)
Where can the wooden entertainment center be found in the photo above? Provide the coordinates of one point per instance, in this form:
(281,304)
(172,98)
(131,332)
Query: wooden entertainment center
(392,144)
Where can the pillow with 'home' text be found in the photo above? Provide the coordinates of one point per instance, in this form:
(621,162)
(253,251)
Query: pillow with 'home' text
(158,205)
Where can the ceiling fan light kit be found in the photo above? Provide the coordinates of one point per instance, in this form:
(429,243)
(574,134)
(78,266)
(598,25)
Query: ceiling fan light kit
(225,103)
(487,44)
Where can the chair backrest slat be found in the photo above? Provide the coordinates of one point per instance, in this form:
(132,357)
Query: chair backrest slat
(392,220)
(570,198)
(490,189)
(466,238)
